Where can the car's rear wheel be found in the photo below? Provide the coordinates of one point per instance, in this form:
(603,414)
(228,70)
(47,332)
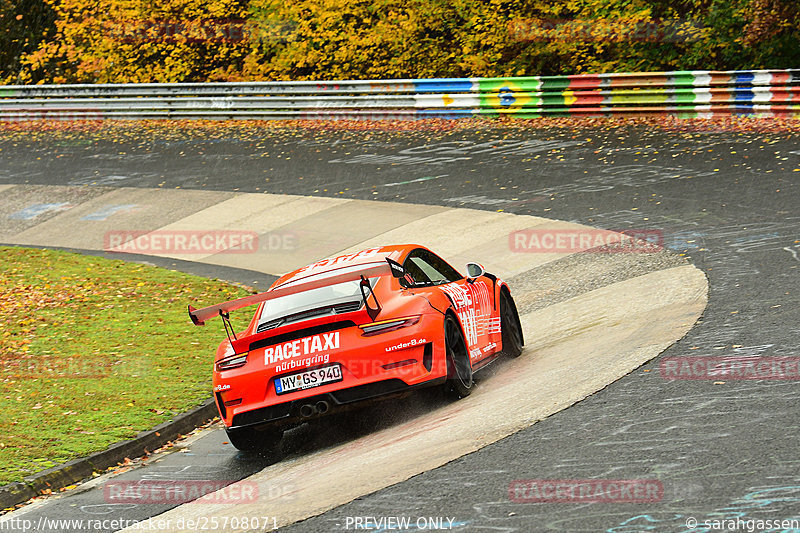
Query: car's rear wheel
(255,439)
(509,326)
(459,367)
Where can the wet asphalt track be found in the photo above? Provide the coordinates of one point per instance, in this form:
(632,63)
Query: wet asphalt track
(729,201)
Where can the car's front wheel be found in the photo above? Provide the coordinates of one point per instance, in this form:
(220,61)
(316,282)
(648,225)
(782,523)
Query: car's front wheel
(459,367)
(255,439)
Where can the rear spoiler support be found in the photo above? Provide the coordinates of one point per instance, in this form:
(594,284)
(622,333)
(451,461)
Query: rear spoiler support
(226,322)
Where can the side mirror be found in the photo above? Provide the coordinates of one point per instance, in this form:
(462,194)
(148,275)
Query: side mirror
(474,270)
(370,301)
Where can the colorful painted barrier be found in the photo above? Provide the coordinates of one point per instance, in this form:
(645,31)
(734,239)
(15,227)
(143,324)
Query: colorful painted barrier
(682,93)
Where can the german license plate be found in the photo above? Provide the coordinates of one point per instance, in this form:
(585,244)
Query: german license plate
(308,379)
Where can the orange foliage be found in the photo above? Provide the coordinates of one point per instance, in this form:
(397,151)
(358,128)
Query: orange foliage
(141,41)
(237,40)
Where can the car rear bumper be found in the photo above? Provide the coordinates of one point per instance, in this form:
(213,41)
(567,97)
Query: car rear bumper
(297,411)
(371,366)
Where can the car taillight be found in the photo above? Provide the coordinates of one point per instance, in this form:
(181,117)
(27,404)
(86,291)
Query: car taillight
(229,363)
(374,328)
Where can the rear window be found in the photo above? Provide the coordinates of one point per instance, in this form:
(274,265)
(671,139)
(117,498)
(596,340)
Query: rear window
(320,298)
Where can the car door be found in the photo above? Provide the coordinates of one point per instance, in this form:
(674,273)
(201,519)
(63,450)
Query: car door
(472,300)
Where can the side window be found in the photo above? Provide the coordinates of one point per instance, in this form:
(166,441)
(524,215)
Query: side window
(429,269)
(417,274)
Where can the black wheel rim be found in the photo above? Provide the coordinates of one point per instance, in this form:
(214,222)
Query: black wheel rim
(458,349)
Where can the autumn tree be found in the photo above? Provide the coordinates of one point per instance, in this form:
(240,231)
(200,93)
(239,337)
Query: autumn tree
(23,25)
(335,39)
(235,40)
(772,33)
(141,41)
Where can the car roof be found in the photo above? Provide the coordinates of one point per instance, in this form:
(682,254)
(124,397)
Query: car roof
(352,260)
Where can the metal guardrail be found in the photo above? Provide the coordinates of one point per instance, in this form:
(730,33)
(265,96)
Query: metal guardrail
(683,93)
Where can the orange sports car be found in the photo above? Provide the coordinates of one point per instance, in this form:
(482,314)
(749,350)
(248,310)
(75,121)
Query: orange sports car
(355,328)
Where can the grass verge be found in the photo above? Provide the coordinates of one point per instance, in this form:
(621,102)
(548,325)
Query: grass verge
(93,351)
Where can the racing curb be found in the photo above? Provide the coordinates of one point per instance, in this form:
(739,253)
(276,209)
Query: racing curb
(77,470)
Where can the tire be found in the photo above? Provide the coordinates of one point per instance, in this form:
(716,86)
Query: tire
(255,439)
(459,368)
(509,326)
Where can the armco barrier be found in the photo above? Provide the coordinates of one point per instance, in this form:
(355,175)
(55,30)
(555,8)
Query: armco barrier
(682,93)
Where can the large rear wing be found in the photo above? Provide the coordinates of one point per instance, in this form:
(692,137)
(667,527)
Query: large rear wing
(199,316)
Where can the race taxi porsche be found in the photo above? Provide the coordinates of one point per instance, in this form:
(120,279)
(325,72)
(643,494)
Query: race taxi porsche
(355,328)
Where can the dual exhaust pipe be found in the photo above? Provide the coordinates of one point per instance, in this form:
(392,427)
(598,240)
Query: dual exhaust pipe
(320,408)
